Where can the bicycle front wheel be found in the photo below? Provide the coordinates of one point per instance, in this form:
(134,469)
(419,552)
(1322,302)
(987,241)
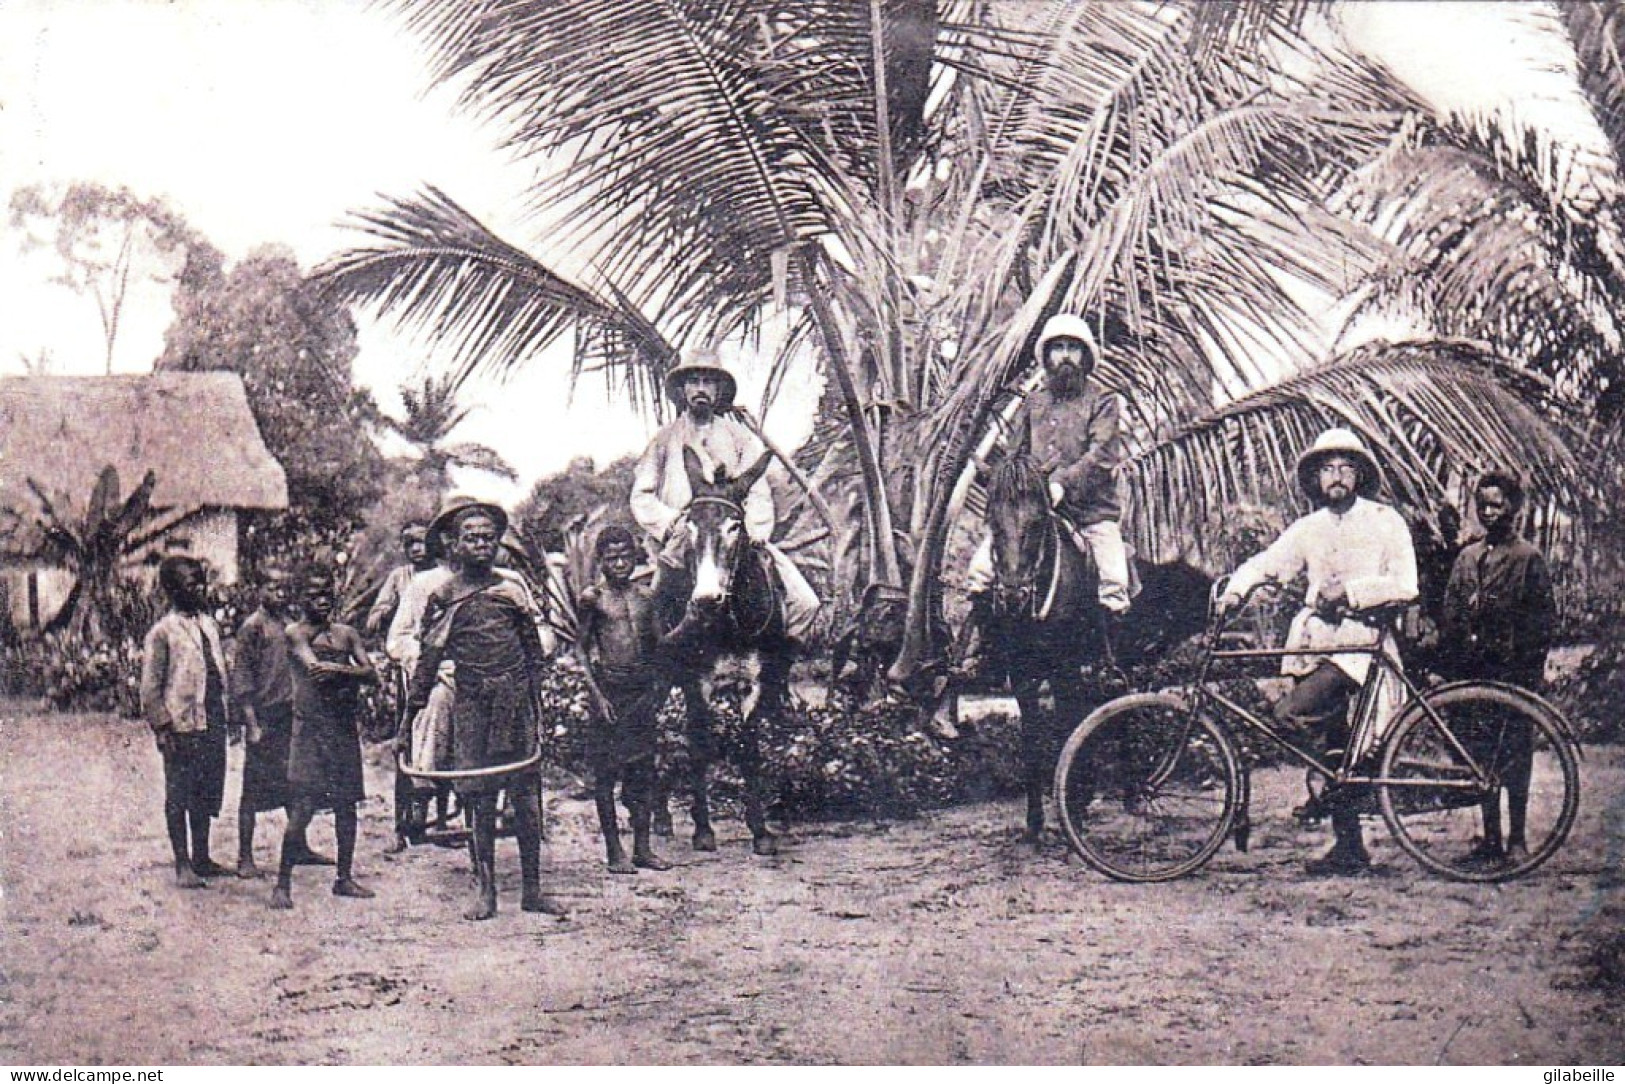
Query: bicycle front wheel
(1480,782)
(1147,788)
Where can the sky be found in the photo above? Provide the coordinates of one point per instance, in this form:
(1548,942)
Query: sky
(269,121)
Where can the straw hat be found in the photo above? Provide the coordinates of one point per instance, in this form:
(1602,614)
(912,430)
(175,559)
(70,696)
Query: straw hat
(444,524)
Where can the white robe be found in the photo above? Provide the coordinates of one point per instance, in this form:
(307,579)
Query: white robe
(1367,549)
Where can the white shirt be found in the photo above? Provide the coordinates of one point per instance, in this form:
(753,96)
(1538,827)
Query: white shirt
(660,489)
(1367,549)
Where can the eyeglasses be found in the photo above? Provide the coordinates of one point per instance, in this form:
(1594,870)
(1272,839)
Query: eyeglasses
(1335,468)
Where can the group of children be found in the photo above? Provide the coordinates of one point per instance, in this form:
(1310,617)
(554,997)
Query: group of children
(292,692)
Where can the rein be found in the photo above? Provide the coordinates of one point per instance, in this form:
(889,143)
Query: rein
(1043,611)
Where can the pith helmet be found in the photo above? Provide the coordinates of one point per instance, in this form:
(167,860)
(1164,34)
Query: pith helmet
(1065,325)
(1343,442)
(706,361)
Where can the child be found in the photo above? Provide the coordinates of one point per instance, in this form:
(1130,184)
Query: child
(183,696)
(329,662)
(618,643)
(262,693)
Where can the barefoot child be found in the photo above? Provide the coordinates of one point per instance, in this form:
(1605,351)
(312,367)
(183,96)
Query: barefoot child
(262,693)
(183,696)
(619,644)
(329,663)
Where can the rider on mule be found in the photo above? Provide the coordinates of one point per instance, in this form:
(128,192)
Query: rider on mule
(1074,425)
(661,491)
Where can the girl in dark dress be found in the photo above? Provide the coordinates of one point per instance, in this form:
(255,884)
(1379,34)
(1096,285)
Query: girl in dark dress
(329,665)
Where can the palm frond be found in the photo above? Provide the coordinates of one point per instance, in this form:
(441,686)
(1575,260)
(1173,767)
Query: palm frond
(472,456)
(1434,413)
(436,266)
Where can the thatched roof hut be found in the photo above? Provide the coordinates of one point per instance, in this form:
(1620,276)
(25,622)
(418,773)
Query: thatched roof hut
(193,430)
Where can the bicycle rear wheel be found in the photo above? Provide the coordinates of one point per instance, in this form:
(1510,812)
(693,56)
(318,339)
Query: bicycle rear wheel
(1146,788)
(1436,805)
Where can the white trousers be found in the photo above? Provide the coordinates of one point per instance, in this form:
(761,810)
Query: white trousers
(1103,541)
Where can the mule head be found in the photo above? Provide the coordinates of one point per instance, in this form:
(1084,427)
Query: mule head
(716,525)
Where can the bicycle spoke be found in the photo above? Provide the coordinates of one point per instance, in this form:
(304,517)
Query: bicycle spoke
(1147,792)
(1486,791)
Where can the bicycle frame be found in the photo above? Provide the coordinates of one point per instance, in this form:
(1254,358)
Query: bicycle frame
(1344,773)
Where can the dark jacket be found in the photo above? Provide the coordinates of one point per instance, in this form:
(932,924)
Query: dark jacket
(1499,614)
(1077,443)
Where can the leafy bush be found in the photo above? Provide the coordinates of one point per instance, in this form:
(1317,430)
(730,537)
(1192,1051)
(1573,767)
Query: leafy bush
(74,675)
(819,760)
(1593,694)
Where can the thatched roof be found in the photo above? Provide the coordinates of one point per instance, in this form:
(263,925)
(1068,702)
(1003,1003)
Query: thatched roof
(194,430)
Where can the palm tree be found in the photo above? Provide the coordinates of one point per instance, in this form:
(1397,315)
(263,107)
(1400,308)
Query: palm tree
(917,184)
(432,415)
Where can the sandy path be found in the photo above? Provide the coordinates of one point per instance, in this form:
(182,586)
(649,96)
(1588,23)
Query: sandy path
(935,940)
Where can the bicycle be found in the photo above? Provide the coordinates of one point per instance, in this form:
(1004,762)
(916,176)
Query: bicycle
(1150,785)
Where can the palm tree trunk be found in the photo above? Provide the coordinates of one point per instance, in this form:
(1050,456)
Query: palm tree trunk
(884,568)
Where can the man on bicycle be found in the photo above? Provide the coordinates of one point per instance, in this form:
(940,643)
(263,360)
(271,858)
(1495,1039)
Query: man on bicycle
(1357,555)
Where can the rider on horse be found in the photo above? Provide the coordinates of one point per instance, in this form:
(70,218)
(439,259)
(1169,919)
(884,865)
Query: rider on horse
(661,491)
(1074,423)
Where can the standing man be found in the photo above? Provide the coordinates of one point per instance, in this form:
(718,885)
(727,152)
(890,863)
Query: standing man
(329,665)
(183,697)
(1357,555)
(1499,616)
(620,647)
(705,392)
(486,626)
(415,545)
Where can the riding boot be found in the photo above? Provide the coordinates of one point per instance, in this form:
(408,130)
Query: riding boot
(1348,853)
(1111,651)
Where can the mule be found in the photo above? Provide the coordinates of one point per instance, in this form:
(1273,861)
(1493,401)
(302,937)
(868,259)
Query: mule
(723,628)
(1043,620)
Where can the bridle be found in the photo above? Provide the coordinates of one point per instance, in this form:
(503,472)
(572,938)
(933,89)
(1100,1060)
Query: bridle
(1037,610)
(736,511)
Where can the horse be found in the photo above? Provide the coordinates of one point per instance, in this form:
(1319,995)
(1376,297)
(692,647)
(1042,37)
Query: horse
(723,630)
(1044,620)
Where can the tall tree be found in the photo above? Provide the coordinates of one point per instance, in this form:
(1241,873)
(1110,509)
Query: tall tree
(109,240)
(431,415)
(294,348)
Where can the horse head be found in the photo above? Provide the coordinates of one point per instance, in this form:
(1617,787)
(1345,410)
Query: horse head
(716,526)
(1026,536)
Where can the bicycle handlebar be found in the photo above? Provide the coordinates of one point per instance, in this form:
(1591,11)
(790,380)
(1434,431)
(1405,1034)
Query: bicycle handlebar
(1380,616)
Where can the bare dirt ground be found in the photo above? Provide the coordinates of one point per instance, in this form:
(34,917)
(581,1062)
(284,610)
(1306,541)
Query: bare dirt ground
(939,939)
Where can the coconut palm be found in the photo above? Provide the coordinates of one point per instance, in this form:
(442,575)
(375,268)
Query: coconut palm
(915,185)
(432,414)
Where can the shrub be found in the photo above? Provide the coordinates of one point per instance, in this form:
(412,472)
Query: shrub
(820,761)
(73,675)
